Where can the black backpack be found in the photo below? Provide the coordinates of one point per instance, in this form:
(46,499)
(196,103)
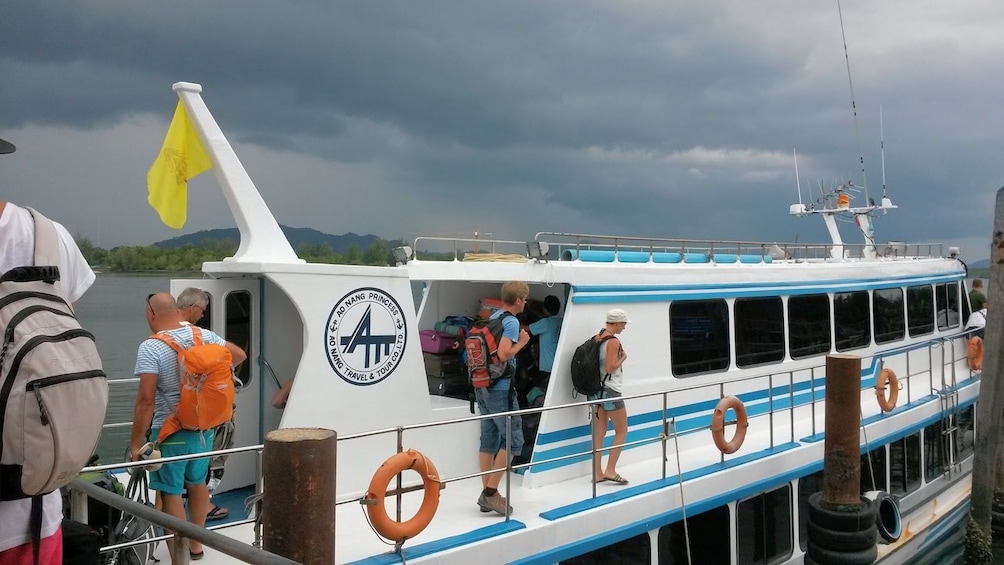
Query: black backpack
(586,366)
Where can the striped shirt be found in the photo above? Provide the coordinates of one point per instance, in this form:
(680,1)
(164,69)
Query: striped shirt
(156,357)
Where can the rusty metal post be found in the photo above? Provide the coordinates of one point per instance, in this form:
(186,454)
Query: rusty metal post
(299,469)
(841,457)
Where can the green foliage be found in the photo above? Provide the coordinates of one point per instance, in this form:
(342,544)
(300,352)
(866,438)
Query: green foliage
(190,257)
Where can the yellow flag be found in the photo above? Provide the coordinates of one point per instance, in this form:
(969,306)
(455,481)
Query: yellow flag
(181,158)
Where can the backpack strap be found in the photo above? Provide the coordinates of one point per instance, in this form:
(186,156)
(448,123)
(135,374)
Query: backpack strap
(35,519)
(46,244)
(169,339)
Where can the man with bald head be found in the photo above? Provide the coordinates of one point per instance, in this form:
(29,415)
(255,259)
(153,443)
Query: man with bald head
(159,391)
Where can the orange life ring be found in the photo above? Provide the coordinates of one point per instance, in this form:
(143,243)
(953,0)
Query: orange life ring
(374,500)
(887,376)
(974,352)
(718,425)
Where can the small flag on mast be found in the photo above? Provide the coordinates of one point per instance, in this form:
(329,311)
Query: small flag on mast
(181,158)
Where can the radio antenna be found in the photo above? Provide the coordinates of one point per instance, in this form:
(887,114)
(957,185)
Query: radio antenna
(882,148)
(854,107)
(798,184)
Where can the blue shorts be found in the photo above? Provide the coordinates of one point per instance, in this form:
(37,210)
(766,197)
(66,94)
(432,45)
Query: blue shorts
(171,478)
(493,430)
(610,405)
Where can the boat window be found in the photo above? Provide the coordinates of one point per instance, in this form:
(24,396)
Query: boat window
(699,336)
(764,524)
(238,330)
(935,450)
(808,325)
(759,331)
(851,320)
(806,486)
(964,431)
(904,465)
(636,550)
(920,309)
(948,305)
(710,525)
(873,462)
(887,311)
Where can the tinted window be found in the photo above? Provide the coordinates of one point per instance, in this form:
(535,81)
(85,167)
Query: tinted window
(710,525)
(238,332)
(904,465)
(808,325)
(759,331)
(764,524)
(935,450)
(873,462)
(920,309)
(964,431)
(887,311)
(806,486)
(948,305)
(632,551)
(699,335)
(851,320)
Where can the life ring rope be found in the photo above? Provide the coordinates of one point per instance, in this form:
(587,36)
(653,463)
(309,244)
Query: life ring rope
(718,425)
(376,512)
(887,379)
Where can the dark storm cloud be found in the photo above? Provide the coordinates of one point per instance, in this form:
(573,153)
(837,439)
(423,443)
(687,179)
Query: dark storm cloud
(631,117)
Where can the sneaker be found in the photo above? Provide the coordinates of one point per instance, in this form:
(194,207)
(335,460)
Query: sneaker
(496,502)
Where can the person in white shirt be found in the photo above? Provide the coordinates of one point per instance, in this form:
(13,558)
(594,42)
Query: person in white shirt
(17,244)
(978,321)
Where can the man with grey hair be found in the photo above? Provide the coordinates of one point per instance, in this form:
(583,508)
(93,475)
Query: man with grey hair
(192,304)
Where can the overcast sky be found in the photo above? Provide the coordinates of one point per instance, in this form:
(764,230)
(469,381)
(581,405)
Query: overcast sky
(652,118)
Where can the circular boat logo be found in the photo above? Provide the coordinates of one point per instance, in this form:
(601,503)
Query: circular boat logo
(365,336)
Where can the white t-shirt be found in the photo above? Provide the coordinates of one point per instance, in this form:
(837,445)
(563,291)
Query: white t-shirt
(17,248)
(977,319)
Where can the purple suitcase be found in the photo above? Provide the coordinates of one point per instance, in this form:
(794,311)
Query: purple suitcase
(437,342)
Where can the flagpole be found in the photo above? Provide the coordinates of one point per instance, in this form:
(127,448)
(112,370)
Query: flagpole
(266,243)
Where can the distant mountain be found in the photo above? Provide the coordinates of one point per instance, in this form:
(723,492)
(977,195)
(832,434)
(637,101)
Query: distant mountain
(296,237)
(984,264)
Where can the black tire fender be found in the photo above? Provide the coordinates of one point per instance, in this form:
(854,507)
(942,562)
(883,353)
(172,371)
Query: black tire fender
(887,520)
(841,519)
(831,557)
(841,541)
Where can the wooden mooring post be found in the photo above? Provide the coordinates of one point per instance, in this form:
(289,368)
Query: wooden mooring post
(298,512)
(841,456)
(990,407)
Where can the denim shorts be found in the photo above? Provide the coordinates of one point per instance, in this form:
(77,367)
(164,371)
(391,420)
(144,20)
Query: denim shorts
(171,478)
(610,405)
(493,430)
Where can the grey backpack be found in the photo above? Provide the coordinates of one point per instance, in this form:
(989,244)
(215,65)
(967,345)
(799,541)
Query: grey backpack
(53,391)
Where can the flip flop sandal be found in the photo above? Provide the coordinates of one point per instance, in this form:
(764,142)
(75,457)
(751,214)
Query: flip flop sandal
(617,479)
(217,513)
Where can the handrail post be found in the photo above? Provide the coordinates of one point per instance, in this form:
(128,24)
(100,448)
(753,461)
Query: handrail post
(300,482)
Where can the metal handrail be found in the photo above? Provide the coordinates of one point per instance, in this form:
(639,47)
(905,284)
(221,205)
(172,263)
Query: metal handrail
(209,538)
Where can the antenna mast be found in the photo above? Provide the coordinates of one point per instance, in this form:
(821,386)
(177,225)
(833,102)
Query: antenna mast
(798,184)
(882,148)
(854,107)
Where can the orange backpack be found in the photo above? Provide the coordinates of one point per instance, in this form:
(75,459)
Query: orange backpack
(207,386)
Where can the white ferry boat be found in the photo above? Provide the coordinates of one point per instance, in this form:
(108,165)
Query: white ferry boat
(750,323)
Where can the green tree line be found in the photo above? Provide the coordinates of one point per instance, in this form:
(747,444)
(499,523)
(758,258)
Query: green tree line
(143,258)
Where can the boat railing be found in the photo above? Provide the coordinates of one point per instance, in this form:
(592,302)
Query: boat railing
(562,246)
(569,246)
(435,248)
(781,400)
